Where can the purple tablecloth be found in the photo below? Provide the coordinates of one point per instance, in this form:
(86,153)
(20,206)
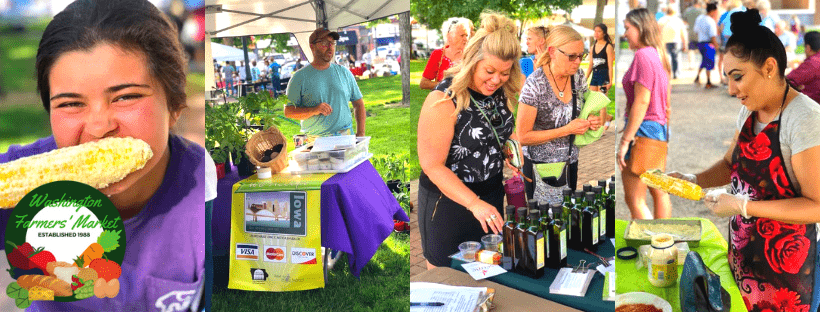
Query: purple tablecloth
(357,214)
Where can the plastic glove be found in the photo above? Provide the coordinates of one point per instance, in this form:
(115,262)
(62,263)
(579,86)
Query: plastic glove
(724,204)
(684,176)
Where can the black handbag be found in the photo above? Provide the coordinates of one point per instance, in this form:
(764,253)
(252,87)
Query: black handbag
(700,289)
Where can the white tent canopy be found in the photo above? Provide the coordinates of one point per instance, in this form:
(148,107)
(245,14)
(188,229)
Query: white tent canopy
(585,32)
(222,53)
(235,18)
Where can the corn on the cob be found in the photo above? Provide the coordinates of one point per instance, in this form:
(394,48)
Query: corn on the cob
(674,186)
(98,164)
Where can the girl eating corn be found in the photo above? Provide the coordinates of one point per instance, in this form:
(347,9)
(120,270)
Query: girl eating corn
(116,69)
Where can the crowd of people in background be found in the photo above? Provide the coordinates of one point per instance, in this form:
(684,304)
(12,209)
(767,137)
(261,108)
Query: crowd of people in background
(705,27)
(264,76)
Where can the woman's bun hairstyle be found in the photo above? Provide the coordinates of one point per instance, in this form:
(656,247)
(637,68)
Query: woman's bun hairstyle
(745,22)
(753,42)
(493,22)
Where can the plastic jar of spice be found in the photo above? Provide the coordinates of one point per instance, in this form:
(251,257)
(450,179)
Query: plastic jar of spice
(663,261)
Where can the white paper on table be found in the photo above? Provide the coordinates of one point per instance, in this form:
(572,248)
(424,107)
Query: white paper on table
(333,142)
(481,270)
(573,284)
(604,270)
(455,298)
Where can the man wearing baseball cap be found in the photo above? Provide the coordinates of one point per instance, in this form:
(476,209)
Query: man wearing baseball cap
(319,93)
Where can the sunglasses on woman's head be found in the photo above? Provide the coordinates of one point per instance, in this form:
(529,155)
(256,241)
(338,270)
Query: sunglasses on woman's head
(495,116)
(573,57)
(453,23)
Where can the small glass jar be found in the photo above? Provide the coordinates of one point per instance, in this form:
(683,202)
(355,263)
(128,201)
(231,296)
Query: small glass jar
(663,261)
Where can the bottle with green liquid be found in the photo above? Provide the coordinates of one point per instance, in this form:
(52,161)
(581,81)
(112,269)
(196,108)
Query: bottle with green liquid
(520,240)
(534,248)
(591,222)
(576,227)
(599,205)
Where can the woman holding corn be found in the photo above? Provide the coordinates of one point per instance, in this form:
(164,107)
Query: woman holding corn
(772,169)
(115,68)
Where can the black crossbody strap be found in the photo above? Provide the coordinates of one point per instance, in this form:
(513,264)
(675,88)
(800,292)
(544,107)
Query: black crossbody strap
(574,105)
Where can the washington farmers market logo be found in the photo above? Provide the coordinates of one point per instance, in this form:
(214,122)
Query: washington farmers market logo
(65,241)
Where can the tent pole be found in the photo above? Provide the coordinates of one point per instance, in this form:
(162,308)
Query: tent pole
(247,64)
(321,14)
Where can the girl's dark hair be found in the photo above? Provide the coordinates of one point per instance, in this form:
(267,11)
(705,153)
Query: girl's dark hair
(133,25)
(753,42)
(604,29)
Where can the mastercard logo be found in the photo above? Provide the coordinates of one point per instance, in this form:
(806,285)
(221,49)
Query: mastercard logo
(275,254)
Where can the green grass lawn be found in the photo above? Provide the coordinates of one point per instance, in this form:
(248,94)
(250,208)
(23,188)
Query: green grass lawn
(33,117)
(383,286)
(17,54)
(22,105)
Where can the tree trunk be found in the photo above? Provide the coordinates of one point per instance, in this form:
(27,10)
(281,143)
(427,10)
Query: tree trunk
(599,12)
(406,45)
(816,16)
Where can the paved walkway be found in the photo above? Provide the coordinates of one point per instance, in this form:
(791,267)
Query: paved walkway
(596,161)
(701,129)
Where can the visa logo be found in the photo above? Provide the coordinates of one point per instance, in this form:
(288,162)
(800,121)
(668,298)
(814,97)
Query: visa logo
(247,252)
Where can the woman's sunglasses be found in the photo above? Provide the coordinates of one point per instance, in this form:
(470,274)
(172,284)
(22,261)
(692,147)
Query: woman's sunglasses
(573,57)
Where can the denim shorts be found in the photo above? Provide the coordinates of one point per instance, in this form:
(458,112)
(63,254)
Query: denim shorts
(652,130)
(600,77)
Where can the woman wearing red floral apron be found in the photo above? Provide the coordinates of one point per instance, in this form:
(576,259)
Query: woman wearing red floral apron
(781,279)
(773,171)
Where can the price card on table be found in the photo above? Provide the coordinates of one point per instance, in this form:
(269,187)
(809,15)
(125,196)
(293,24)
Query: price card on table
(481,270)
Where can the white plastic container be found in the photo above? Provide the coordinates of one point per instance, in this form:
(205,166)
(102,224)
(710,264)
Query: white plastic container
(341,160)
(663,261)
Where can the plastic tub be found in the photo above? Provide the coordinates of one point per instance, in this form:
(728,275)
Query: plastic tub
(490,242)
(469,249)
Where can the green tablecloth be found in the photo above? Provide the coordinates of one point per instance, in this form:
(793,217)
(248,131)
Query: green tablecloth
(541,287)
(712,249)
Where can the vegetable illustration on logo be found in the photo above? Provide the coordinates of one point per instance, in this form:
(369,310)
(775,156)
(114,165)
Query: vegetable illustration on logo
(106,283)
(107,242)
(18,257)
(89,275)
(59,250)
(40,258)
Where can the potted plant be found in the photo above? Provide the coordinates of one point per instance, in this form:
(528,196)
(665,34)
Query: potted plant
(393,170)
(403,197)
(220,157)
(241,159)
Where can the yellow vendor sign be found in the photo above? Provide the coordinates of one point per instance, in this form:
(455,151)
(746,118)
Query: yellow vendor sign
(276,233)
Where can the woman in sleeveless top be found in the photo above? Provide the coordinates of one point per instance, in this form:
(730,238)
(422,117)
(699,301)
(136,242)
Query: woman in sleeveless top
(600,60)
(462,126)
